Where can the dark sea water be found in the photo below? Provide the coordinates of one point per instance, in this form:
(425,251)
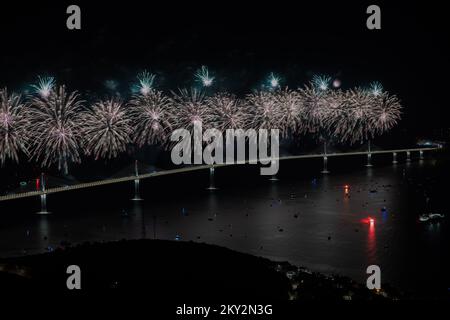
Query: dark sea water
(305,217)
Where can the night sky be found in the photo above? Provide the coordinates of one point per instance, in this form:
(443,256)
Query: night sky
(240,43)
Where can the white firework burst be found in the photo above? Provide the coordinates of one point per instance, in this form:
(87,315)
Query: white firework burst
(292,108)
(13,121)
(54,125)
(106,129)
(265,110)
(316,111)
(386,113)
(350,124)
(190,107)
(152,118)
(227,112)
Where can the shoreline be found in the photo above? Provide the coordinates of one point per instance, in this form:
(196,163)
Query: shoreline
(233,273)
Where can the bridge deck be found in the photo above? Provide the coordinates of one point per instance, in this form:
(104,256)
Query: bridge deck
(193,168)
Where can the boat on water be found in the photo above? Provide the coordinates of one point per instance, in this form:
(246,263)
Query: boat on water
(431,217)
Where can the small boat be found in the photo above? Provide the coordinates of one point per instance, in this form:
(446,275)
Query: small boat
(430,216)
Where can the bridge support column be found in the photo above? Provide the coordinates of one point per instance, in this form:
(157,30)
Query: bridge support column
(408,156)
(43,204)
(137,196)
(421,154)
(212,184)
(369,160)
(325,165)
(43,196)
(394,157)
(273,178)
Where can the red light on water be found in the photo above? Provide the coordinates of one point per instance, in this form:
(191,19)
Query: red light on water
(368,220)
(346,190)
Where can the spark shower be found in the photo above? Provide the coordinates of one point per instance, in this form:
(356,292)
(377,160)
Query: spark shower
(55,126)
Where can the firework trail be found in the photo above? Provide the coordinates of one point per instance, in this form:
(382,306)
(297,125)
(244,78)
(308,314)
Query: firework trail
(54,128)
(13,139)
(106,129)
(152,117)
(227,112)
(45,86)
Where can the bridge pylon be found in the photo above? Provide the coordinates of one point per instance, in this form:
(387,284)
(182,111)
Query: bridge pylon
(325,165)
(137,196)
(369,160)
(394,157)
(212,182)
(43,196)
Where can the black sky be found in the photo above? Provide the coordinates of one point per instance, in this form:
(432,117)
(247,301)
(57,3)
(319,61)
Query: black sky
(240,41)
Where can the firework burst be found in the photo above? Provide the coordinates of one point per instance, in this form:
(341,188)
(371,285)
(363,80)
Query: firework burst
(54,126)
(316,109)
(385,114)
(12,123)
(106,129)
(145,83)
(203,77)
(291,105)
(45,86)
(376,88)
(227,112)
(265,110)
(273,81)
(321,82)
(363,115)
(350,123)
(190,107)
(152,118)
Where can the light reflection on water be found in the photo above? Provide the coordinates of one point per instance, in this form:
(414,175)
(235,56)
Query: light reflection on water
(372,244)
(311,223)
